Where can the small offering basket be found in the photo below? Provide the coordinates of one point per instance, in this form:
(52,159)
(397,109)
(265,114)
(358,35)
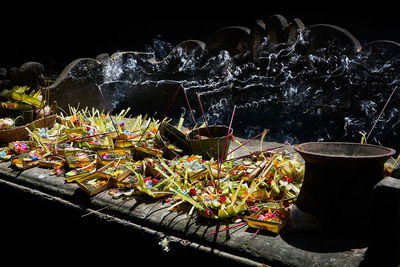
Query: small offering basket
(104,157)
(126,140)
(274,225)
(128,181)
(95,183)
(20,147)
(78,135)
(78,173)
(117,171)
(23,164)
(52,162)
(141,152)
(79,158)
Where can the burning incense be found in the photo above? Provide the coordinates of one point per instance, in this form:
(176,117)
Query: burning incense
(208,130)
(229,131)
(190,109)
(226,141)
(129,138)
(172,101)
(204,116)
(109,114)
(383,109)
(248,141)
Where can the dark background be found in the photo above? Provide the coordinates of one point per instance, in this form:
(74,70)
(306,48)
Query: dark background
(57,33)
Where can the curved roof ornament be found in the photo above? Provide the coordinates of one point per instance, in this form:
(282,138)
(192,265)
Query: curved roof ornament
(232,39)
(322,35)
(381,49)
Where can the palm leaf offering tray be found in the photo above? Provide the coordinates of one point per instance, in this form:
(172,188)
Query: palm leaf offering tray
(76,173)
(156,188)
(22,146)
(28,155)
(85,148)
(52,162)
(109,155)
(19,98)
(128,139)
(124,143)
(270,219)
(6,153)
(94,183)
(78,134)
(79,158)
(127,182)
(151,181)
(59,149)
(146,151)
(118,170)
(27,160)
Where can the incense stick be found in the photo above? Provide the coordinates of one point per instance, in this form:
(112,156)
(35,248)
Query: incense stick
(229,131)
(226,141)
(248,141)
(227,228)
(109,114)
(169,106)
(208,131)
(387,102)
(204,116)
(143,134)
(171,102)
(129,138)
(254,235)
(190,109)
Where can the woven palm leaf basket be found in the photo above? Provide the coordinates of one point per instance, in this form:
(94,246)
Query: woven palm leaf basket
(20,133)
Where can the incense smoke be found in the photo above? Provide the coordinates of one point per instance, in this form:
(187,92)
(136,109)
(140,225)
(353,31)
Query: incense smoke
(300,94)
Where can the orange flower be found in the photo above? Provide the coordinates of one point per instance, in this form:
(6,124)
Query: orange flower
(101,182)
(153,130)
(191,158)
